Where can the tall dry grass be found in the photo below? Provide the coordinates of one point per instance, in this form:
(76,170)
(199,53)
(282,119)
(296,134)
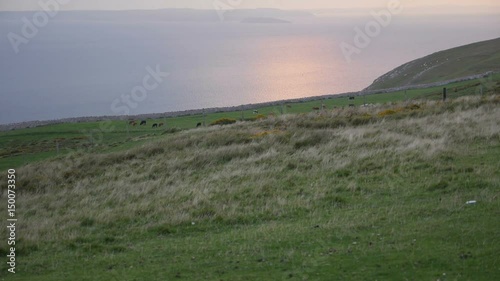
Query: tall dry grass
(275,168)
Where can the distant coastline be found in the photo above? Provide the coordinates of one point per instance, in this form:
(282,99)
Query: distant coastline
(264,20)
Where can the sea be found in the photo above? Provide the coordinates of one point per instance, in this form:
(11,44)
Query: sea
(96,67)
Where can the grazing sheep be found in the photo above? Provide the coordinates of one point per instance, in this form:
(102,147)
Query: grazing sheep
(155,125)
(160,125)
(351,98)
(131,122)
(351,105)
(315,108)
(198,125)
(143,122)
(288,106)
(255,112)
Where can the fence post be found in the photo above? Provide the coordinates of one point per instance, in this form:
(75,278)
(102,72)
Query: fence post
(444,94)
(204,118)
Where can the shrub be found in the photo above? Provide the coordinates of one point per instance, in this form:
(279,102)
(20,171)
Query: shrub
(387,112)
(223,121)
(361,120)
(412,107)
(256,118)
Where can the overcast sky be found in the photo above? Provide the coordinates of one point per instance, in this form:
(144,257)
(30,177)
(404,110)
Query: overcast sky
(15,5)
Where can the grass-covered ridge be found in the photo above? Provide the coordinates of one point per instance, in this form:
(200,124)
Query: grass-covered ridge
(455,63)
(373,193)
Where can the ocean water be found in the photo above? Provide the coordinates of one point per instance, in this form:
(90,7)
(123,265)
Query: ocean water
(84,68)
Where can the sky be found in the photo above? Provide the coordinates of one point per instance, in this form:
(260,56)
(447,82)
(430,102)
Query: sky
(19,5)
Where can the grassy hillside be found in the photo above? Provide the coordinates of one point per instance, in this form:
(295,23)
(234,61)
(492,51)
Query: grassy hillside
(365,193)
(446,65)
(23,146)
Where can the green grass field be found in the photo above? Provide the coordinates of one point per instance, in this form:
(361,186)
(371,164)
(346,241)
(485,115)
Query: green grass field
(353,193)
(24,146)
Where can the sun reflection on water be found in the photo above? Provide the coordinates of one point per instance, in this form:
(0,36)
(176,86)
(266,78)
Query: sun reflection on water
(296,67)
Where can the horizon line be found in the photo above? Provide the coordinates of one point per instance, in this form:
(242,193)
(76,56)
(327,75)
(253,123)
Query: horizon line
(263,8)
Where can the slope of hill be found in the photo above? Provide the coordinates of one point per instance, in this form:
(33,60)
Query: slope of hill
(359,194)
(460,62)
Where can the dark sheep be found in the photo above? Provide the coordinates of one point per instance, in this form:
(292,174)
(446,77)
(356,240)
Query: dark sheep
(160,125)
(143,122)
(154,125)
(198,125)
